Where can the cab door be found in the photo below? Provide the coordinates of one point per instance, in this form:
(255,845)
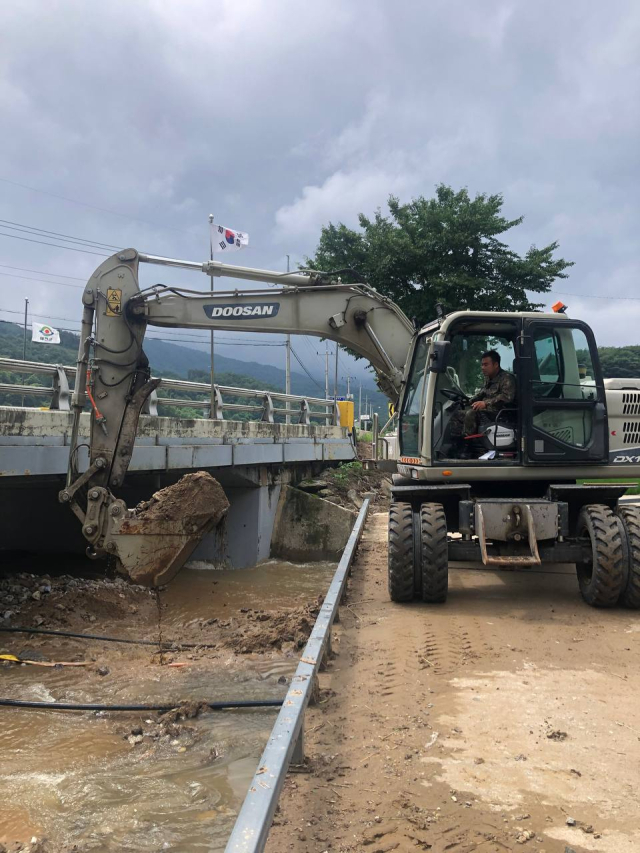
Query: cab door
(564,404)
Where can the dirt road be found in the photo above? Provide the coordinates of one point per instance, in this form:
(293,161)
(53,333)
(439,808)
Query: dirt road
(508,719)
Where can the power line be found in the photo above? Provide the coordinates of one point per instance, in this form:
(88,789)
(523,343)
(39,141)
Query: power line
(42,232)
(43,272)
(42,280)
(54,245)
(191,339)
(100,209)
(317,384)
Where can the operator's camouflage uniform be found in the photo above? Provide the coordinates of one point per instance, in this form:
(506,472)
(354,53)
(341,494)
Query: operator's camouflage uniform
(498,393)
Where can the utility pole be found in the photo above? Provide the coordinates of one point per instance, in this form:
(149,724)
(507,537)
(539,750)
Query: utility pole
(24,336)
(359,403)
(348,386)
(212,392)
(335,376)
(287,372)
(326,370)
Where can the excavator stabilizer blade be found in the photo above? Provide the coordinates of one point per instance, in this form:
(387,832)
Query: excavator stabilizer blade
(155,540)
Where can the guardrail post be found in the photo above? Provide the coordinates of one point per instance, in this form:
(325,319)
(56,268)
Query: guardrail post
(305,408)
(297,757)
(374,437)
(267,412)
(150,406)
(60,399)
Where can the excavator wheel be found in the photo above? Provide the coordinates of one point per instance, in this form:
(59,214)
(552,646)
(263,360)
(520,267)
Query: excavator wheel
(401,547)
(602,578)
(630,517)
(434,553)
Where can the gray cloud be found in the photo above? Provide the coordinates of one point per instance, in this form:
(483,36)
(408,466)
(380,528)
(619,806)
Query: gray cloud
(279,117)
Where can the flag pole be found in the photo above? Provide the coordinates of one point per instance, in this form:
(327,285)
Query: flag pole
(287,372)
(24,337)
(212,392)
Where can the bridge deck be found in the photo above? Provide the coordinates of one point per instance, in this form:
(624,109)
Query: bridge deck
(35,443)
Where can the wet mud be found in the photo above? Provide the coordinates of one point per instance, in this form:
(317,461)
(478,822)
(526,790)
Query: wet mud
(145,781)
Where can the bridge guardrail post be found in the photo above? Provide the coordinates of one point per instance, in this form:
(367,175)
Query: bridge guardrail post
(150,406)
(267,413)
(61,397)
(305,408)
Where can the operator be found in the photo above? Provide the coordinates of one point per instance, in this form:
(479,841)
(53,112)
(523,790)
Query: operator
(498,392)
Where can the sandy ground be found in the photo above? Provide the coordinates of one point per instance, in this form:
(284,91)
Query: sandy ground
(508,719)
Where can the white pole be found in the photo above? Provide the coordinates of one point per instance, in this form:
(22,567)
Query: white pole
(212,392)
(335,377)
(359,403)
(326,371)
(287,373)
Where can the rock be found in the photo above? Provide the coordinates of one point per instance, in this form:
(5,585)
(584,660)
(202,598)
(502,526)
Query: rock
(36,595)
(385,487)
(525,836)
(557,735)
(312,487)
(282,679)
(134,740)
(8,614)
(568,849)
(571,821)
(103,670)
(352,495)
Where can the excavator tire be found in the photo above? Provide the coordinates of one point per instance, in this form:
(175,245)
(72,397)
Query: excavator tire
(434,553)
(400,551)
(601,580)
(630,517)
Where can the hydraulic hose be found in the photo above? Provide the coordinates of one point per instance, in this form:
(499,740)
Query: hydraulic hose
(166,644)
(78,706)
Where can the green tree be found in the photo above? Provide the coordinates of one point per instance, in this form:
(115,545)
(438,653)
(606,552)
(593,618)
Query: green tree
(444,249)
(620,362)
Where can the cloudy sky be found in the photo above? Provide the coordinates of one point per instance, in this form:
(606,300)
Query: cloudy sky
(129,122)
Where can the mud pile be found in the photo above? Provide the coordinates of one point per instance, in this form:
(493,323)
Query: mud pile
(196,499)
(155,539)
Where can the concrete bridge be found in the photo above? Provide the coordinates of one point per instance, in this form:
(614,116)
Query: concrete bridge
(252,460)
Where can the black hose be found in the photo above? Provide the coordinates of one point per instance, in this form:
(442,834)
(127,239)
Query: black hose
(167,644)
(72,706)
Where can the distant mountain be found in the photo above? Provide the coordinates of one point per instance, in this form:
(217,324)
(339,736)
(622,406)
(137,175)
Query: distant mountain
(173,360)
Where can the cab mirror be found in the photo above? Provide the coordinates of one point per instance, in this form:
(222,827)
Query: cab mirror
(438,356)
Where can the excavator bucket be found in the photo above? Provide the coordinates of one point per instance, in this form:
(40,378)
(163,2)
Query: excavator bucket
(153,541)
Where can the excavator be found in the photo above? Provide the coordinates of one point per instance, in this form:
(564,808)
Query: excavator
(516,498)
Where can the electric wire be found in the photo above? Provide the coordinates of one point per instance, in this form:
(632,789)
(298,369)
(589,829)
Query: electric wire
(43,272)
(78,706)
(42,232)
(100,209)
(55,245)
(167,644)
(295,355)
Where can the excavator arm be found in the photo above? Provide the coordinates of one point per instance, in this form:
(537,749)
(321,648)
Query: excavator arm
(113,376)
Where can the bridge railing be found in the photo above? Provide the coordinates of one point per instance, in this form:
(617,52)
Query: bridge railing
(262,403)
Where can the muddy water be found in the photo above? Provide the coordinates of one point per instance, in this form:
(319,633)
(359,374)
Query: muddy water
(76,779)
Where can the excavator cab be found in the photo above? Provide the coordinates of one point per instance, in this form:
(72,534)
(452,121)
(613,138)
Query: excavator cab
(559,412)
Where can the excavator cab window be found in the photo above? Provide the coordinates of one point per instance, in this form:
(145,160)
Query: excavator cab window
(412,404)
(496,434)
(565,399)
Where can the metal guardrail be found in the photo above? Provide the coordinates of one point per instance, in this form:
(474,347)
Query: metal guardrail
(286,741)
(60,395)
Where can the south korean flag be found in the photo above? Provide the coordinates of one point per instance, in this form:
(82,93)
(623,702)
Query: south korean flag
(227,240)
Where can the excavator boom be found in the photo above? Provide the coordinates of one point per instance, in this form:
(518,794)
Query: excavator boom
(113,376)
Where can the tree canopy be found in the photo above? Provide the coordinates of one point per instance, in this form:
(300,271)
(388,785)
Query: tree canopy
(444,249)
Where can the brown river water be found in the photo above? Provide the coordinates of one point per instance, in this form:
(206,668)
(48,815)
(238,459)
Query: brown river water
(74,778)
